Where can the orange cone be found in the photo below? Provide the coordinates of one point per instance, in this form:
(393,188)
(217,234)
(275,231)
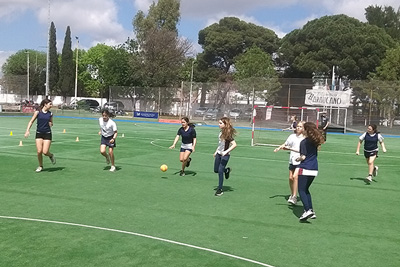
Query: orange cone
(77,139)
(20,143)
(64,131)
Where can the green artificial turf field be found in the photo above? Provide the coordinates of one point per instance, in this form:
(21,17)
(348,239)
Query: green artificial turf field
(77,213)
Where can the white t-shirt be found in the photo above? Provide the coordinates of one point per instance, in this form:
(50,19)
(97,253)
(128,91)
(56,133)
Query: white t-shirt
(107,127)
(221,144)
(293,142)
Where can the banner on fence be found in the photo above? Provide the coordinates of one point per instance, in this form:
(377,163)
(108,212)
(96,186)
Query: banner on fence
(341,99)
(145,114)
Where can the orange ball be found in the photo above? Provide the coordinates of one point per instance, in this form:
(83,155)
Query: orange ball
(164,168)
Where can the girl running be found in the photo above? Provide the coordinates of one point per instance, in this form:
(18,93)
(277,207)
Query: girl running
(108,132)
(188,145)
(43,132)
(225,145)
(307,170)
(293,144)
(371,138)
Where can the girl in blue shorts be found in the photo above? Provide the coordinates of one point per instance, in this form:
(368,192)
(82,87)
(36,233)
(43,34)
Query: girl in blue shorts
(188,145)
(371,139)
(43,132)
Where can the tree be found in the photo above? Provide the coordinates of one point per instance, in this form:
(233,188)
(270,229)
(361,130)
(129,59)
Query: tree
(386,18)
(355,47)
(54,68)
(15,71)
(161,51)
(222,42)
(255,72)
(93,76)
(66,80)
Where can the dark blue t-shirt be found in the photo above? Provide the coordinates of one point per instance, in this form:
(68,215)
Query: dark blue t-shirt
(43,120)
(308,149)
(187,136)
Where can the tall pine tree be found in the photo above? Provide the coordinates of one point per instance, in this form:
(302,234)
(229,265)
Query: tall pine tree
(66,80)
(54,68)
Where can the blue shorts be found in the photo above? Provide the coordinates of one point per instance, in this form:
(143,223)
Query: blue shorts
(292,167)
(186,149)
(370,154)
(44,136)
(106,141)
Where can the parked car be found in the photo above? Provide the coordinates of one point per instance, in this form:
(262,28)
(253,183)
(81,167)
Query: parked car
(248,113)
(212,114)
(87,104)
(114,105)
(235,113)
(200,111)
(396,121)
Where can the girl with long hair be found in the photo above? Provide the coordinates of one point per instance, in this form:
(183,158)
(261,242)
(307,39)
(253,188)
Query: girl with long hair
(43,132)
(226,144)
(108,132)
(188,145)
(307,170)
(371,138)
(292,143)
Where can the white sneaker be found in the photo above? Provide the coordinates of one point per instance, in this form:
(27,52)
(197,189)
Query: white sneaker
(306,215)
(39,169)
(112,169)
(292,200)
(53,159)
(375,171)
(107,159)
(313,216)
(368,178)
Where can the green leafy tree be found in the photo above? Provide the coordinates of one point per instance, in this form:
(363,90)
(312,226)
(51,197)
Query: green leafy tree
(93,75)
(15,71)
(54,67)
(356,47)
(222,42)
(255,72)
(161,51)
(67,74)
(385,17)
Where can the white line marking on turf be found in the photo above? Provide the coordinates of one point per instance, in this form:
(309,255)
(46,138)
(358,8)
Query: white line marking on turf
(137,234)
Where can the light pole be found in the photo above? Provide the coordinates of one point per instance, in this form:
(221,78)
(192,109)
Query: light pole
(76,67)
(27,74)
(47,92)
(191,88)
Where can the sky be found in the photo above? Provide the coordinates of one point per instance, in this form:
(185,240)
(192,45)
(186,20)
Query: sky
(24,23)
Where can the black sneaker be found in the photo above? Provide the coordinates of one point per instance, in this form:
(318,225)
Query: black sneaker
(181,173)
(219,193)
(188,162)
(227,172)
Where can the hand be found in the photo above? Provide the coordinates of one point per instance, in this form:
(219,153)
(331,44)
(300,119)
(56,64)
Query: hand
(192,149)
(27,134)
(99,132)
(357,153)
(215,153)
(112,141)
(172,147)
(384,150)
(276,149)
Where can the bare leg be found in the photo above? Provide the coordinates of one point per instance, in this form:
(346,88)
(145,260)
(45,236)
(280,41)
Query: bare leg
(111,154)
(39,148)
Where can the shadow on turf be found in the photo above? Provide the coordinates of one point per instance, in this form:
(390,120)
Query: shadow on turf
(225,189)
(363,179)
(54,169)
(192,173)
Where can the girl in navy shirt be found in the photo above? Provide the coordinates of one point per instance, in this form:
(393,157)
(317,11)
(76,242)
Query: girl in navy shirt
(371,139)
(188,145)
(307,170)
(43,132)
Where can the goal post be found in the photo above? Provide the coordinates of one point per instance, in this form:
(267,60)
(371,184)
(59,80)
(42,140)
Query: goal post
(277,118)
